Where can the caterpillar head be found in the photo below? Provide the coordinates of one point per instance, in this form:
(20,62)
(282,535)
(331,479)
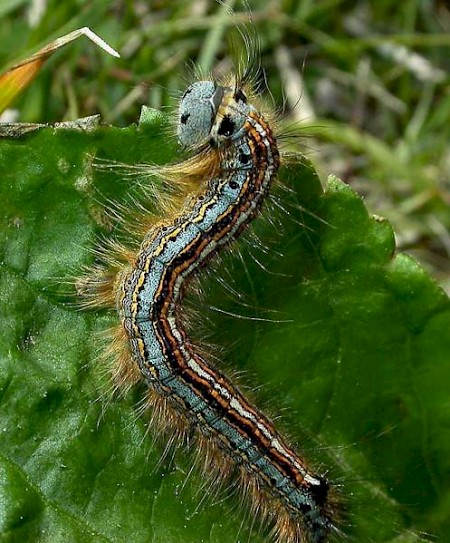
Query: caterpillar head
(211,113)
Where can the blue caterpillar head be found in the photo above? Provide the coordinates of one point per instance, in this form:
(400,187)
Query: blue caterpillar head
(211,113)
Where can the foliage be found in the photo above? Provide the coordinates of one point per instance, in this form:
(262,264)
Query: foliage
(352,344)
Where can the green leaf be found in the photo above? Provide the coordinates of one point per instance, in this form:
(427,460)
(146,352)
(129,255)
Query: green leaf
(348,338)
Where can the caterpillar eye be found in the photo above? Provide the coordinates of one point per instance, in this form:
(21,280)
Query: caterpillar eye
(240,96)
(227,127)
(184,118)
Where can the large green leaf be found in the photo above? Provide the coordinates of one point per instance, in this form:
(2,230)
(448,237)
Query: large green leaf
(349,339)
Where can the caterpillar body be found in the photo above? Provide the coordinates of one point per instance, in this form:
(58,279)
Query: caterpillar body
(234,164)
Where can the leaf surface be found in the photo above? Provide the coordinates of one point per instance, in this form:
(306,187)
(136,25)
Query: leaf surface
(349,339)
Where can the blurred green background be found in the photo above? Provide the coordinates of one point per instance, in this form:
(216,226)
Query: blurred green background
(368,80)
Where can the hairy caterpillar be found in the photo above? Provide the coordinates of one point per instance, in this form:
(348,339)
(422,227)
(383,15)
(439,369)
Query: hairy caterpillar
(223,186)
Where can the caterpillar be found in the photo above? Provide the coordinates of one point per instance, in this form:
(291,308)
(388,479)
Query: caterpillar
(223,185)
